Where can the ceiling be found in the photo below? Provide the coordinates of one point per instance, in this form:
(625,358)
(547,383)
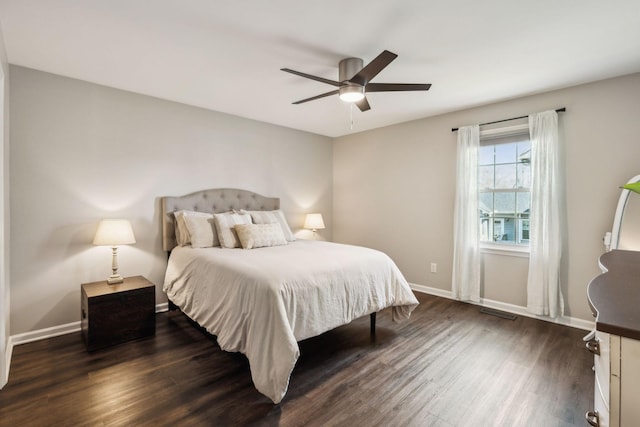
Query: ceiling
(226,55)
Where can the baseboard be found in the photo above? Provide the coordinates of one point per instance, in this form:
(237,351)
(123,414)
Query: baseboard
(55,331)
(45,333)
(431,291)
(509,308)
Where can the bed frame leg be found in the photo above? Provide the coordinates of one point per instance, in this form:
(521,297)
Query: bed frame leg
(372,316)
(172,306)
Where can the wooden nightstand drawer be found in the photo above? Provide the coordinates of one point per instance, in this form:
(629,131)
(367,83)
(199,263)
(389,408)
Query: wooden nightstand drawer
(112,314)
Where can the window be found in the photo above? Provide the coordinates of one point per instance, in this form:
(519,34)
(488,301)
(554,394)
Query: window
(504,181)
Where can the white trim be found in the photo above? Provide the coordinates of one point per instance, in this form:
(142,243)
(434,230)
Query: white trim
(509,308)
(55,331)
(431,291)
(5,341)
(521,251)
(42,334)
(7,363)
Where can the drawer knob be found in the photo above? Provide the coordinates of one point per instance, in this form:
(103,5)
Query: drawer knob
(592,418)
(593,346)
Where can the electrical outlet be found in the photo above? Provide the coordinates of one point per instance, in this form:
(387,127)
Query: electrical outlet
(434,267)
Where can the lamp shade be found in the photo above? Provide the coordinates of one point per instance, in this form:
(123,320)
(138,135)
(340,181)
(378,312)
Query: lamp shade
(314,221)
(114,232)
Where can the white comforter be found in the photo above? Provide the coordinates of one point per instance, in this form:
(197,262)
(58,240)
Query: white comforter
(261,302)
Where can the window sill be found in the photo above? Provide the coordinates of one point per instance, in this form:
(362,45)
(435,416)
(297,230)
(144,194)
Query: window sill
(521,251)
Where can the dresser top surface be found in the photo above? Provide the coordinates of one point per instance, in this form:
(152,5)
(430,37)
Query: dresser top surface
(101,288)
(614,295)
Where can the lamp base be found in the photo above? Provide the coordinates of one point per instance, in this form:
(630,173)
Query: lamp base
(115,279)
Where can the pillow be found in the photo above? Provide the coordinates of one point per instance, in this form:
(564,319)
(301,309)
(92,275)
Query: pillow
(183,234)
(271,217)
(260,235)
(202,232)
(224,225)
(180,229)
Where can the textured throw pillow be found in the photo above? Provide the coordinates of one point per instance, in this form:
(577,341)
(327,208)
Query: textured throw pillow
(183,236)
(271,217)
(202,232)
(260,235)
(225,224)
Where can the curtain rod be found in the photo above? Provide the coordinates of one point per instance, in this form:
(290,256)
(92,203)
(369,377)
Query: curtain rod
(559,110)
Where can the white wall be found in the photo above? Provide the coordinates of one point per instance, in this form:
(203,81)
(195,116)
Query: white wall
(82,152)
(4,216)
(394,187)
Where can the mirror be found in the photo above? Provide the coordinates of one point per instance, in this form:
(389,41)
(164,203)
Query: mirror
(626,225)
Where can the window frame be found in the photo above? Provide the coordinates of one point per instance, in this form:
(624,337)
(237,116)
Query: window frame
(498,247)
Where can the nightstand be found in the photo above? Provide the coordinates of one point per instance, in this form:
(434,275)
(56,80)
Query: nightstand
(112,314)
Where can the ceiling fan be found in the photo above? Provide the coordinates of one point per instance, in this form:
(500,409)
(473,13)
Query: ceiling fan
(354,80)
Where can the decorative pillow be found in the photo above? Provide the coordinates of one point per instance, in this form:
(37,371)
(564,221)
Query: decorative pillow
(271,217)
(183,236)
(260,235)
(180,229)
(224,225)
(202,232)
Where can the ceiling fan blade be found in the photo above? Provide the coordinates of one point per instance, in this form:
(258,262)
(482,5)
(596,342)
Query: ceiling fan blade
(395,87)
(372,69)
(333,92)
(363,104)
(309,76)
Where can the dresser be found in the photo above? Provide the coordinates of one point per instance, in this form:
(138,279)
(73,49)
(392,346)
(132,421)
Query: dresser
(614,297)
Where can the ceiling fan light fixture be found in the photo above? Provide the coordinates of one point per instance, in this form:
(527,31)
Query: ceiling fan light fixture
(354,81)
(351,93)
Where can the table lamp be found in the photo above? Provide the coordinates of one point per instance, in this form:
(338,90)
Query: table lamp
(114,232)
(314,222)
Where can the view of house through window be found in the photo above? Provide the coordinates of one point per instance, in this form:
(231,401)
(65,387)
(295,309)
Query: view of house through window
(504,181)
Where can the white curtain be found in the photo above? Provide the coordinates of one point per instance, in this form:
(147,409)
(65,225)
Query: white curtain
(466,235)
(544,296)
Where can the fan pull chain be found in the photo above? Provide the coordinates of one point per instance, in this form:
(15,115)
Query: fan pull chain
(351,111)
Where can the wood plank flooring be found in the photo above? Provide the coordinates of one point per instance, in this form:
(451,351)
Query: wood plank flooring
(450,365)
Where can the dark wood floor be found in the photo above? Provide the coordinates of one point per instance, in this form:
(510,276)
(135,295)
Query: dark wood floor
(449,365)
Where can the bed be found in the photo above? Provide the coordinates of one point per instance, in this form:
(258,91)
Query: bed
(263,301)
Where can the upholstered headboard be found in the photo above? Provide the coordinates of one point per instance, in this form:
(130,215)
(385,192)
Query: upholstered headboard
(216,200)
